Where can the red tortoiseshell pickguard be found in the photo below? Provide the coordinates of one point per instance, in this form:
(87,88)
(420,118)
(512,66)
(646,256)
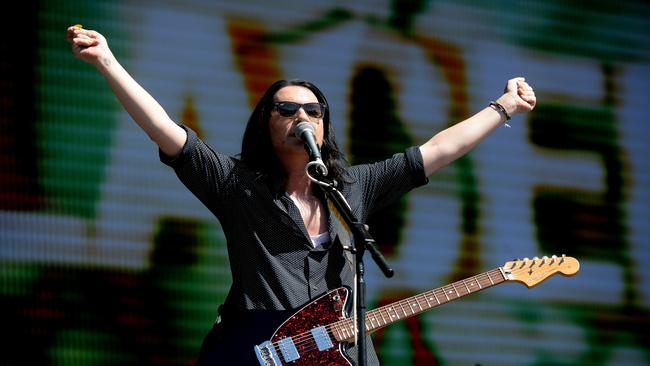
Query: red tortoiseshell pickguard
(323,311)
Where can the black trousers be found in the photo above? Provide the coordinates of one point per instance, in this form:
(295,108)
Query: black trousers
(232,340)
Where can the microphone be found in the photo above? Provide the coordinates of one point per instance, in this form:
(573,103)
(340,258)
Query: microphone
(307,134)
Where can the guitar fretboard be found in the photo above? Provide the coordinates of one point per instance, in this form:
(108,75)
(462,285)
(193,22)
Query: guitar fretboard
(343,330)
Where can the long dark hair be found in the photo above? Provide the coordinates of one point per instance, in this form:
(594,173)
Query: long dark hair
(257,152)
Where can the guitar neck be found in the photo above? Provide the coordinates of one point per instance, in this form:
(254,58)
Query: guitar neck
(414,305)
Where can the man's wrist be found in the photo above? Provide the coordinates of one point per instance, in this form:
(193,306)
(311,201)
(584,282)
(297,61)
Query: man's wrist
(508,103)
(500,108)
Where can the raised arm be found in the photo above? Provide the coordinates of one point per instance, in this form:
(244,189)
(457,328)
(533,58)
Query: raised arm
(92,47)
(455,141)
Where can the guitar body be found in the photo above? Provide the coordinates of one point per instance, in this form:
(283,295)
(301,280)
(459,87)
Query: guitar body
(303,340)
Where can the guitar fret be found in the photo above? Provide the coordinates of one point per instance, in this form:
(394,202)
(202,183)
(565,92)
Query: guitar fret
(335,331)
(340,330)
(371,318)
(501,276)
(464,283)
(473,283)
(427,300)
(381,317)
(394,311)
(418,302)
(436,293)
(401,305)
(481,281)
(413,311)
(454,286)
(436,297)
(413,304)
(490,278)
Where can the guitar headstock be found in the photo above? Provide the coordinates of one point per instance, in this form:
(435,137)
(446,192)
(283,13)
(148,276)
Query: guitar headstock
(532,272)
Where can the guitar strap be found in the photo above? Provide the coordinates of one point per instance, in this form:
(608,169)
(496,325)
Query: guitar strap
(340,231)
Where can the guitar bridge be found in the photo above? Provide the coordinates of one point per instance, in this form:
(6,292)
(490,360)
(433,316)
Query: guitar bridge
(266,354)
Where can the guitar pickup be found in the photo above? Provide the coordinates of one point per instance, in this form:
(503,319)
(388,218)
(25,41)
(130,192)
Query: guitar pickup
(288,349)
(321,338)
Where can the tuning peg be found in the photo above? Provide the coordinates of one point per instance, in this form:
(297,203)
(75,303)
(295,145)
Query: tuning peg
(562,260)
(553,258)
(544,258)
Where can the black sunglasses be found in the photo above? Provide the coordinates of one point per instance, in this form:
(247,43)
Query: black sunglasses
(288,109)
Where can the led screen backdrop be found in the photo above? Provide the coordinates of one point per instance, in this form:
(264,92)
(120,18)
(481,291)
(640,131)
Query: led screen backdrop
(106,259)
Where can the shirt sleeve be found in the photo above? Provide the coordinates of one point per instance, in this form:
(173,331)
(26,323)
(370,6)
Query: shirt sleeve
(384,182)
(202,170)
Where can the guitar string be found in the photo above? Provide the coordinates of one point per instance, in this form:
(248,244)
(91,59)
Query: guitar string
(302,338)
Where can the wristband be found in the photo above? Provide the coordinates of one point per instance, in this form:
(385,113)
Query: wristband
(499,108)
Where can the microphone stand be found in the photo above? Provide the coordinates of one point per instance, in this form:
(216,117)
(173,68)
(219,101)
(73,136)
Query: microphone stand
(362,241)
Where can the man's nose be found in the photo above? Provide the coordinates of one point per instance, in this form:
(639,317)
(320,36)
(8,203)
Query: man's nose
(302,115)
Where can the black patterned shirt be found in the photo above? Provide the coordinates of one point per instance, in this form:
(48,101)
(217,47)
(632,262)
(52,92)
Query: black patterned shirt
(273,262)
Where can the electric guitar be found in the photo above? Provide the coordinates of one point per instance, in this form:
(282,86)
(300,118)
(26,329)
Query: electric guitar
(318,333)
